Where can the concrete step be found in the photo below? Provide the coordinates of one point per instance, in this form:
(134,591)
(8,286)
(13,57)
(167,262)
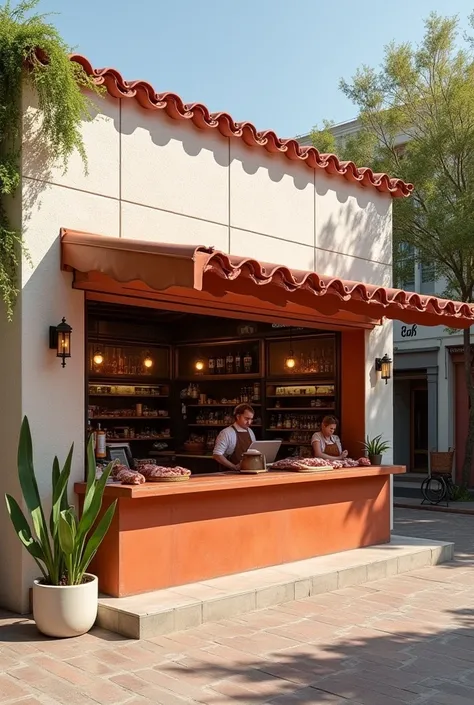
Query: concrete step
(183,607)
(412,478)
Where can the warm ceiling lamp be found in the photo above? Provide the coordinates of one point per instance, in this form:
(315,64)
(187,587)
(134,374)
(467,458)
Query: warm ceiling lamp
(290,361)
(98,357)
(148,362)
(384,366)
(199,365)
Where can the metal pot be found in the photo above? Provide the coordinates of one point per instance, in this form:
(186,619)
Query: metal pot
(252,461)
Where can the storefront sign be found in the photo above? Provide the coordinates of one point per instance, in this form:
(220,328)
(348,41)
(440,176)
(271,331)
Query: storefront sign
(409,331)
(282,325)
(459,350)
(247,329)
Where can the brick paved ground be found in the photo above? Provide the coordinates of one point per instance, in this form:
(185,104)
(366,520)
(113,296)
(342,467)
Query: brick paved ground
(403,640)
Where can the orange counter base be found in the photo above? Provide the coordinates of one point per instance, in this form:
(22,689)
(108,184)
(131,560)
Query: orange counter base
(168,534)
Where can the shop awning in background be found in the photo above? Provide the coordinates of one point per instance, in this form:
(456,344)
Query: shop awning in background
(145,267)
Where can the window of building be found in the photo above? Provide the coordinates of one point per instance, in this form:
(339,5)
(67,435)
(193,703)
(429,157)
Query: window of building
(405,268)
(428,278)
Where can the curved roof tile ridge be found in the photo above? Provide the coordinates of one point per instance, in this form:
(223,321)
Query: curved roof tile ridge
(263,274)
(172,104)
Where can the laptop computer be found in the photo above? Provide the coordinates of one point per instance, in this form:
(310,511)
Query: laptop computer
(267,448)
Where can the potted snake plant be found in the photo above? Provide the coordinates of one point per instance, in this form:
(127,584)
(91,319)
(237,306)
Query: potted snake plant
(375,448)
(65,596)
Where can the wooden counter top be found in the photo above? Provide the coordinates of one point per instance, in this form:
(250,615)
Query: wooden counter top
(218,482)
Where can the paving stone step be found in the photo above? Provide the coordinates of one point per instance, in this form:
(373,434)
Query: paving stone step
(186,606)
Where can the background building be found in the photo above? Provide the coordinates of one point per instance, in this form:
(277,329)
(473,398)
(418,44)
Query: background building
(429,396)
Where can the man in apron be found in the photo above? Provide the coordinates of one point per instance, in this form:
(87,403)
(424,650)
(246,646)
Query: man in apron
(325,443)
(233,441)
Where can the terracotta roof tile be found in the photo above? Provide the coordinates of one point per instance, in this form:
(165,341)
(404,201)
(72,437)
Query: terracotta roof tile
(369,299)
(172,104)
(126,260)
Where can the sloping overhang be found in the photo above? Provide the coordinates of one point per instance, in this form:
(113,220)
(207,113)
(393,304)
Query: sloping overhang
(140,269)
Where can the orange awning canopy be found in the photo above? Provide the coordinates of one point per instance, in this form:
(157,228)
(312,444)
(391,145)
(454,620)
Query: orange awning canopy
(151,270)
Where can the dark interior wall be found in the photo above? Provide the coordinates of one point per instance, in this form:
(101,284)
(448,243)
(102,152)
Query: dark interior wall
(401,422)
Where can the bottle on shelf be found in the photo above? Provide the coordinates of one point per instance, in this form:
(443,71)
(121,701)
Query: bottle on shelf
(220,364)
(302,365)
(91,432)
(238,363)
(229,363)
(256,392)
(100,443)
(247,362)
(212,365)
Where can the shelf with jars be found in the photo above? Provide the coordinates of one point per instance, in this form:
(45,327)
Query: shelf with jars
(105,434)
(288,423)
(148,434)
(238,359)
(129,390)
(139,412)
(302,396)
(195,395)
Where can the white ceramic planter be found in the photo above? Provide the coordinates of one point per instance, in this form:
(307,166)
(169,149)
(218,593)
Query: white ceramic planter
(65,610)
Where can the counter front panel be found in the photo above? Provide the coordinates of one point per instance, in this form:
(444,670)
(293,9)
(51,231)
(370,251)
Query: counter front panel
(168,534)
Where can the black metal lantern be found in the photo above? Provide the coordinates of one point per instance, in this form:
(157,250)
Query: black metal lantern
(60,340)
(384,366)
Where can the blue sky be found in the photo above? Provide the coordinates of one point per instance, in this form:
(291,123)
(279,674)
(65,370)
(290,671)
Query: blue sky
(276,63)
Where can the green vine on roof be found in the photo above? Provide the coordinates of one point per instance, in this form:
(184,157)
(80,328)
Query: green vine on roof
(32,52)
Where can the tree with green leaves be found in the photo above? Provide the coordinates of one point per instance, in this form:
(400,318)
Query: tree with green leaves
(33,53)
(416,118)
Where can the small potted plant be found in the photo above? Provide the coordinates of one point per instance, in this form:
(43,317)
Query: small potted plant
(375,448)
(65,597)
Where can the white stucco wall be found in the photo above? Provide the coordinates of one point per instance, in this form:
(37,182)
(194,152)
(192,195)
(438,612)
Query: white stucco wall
(154,178)
(33,381)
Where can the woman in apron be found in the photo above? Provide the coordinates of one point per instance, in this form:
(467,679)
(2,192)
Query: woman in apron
(325,443)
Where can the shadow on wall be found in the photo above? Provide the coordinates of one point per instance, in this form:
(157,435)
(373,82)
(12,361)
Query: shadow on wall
(36,160)
(359,214)
(357,223)
(163,130)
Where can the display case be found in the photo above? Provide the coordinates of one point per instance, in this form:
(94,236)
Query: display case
(294,412)
(207,407)
(110,361)
(129,395)
(313,356)
(130,413)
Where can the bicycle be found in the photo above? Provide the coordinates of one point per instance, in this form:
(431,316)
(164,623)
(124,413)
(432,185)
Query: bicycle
(438,487)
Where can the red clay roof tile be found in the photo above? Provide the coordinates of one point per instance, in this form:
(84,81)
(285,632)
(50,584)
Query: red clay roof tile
(172,104)
(126,260)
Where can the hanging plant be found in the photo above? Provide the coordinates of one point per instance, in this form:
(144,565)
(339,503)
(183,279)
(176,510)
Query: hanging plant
(33,53)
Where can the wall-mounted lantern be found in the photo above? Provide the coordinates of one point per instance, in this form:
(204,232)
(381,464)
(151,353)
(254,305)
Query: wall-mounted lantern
(384,366)
(60,340)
